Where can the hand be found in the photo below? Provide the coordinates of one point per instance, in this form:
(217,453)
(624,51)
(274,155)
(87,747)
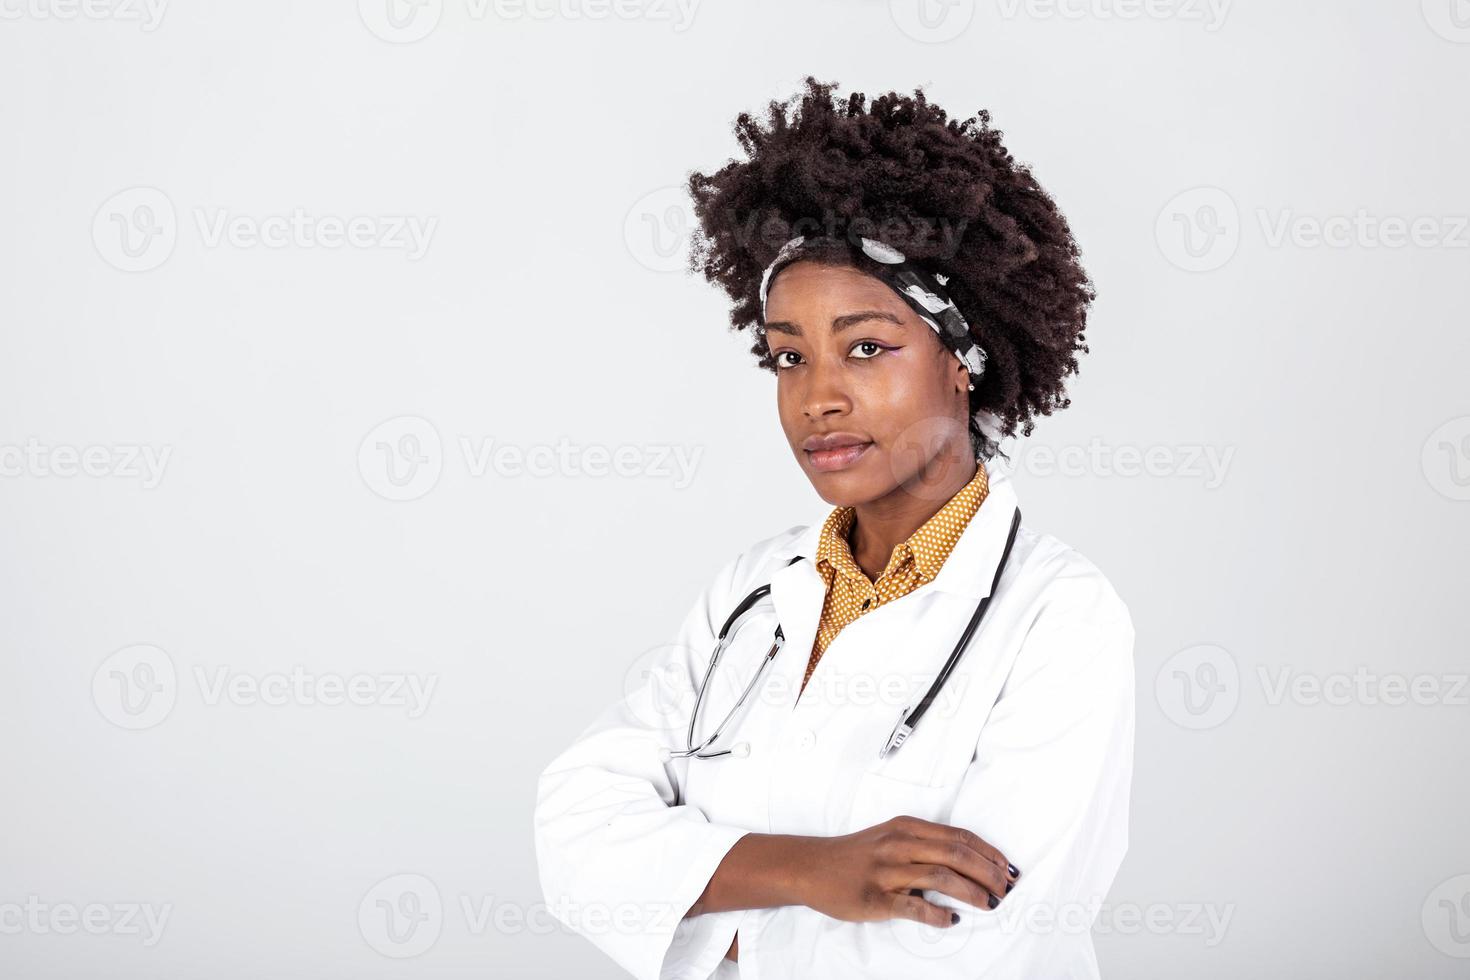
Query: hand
(877,873)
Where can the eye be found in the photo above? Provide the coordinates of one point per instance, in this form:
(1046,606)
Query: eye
(872,348)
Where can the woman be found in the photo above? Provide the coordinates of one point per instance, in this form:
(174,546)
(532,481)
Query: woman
(918,297)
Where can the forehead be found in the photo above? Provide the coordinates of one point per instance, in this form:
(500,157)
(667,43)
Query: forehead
(812,289)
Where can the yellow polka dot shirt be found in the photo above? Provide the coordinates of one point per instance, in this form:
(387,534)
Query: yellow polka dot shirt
(914,561)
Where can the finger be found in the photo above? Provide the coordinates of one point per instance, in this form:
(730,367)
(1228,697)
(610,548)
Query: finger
(960,858)
(929,830)
(906,906)
(936,877)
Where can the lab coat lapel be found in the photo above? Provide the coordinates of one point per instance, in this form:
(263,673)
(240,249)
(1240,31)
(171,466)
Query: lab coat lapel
(970,567)
(797,591)
(934,612)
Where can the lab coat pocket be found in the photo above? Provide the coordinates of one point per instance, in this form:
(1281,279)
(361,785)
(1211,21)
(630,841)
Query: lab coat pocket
(921,778)
(879,797)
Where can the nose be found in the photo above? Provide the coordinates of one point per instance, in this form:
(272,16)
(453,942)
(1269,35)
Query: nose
(825,394)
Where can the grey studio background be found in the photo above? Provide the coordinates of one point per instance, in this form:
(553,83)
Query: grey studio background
(360,432)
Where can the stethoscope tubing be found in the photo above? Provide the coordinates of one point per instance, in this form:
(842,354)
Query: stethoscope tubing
(910,717)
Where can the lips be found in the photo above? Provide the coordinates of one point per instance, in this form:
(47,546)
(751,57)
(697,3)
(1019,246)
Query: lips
(835,450)
(833,440)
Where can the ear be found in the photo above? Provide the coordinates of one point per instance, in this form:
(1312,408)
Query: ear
(961,376)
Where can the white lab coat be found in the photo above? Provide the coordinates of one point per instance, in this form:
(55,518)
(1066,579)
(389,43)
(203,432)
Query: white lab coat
(1030,746)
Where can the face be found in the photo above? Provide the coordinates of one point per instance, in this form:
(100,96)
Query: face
(855,365)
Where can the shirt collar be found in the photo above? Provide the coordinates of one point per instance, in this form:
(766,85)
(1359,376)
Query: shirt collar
(928,547)
(970,566)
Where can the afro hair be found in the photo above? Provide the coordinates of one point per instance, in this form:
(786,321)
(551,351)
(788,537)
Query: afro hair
(945,192)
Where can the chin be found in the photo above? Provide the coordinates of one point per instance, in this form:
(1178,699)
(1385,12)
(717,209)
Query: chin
(842,488)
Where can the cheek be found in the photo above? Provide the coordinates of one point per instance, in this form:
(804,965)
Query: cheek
(906,392)
(785,399)
(788,409)
(911,411)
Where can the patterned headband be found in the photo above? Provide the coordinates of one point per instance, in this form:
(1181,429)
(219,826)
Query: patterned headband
(920,290)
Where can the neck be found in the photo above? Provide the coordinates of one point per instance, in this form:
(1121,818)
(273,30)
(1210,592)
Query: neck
(881,525)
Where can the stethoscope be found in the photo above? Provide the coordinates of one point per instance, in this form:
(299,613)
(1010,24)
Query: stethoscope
(908,720)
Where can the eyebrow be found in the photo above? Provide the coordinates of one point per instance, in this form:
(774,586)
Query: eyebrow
(839,323)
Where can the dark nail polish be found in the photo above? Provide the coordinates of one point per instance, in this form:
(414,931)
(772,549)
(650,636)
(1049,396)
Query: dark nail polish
(1015,871)
(954,918)
(994,901)
(916,892)
(1009,886)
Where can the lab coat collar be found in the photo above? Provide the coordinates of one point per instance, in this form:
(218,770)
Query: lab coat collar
(970,567)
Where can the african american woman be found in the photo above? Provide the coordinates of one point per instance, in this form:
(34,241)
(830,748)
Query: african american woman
(933,780)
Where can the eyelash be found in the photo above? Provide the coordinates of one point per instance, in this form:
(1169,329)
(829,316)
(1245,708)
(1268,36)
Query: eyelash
(776,358)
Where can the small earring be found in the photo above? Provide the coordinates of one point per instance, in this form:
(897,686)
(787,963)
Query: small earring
(972,386)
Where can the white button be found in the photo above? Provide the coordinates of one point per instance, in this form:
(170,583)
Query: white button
(805,739)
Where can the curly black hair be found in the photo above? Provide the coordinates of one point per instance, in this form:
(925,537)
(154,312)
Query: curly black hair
(945,192)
